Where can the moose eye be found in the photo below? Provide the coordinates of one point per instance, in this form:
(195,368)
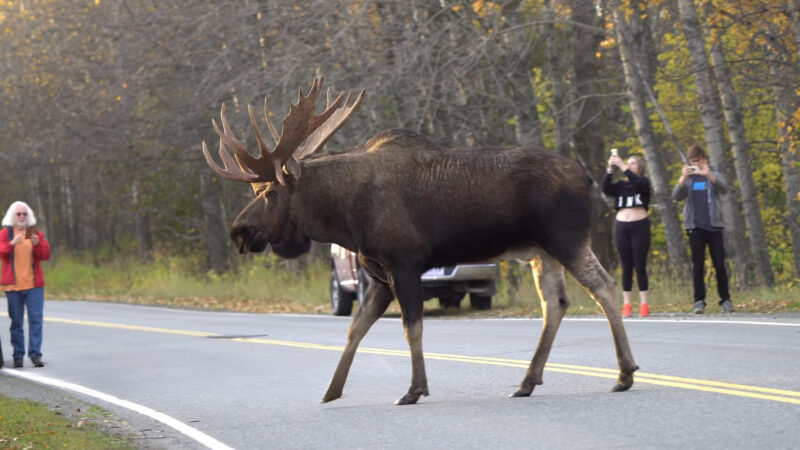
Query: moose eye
(272,195)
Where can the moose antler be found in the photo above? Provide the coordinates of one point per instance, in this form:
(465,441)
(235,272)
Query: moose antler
(300,123)
(321,135)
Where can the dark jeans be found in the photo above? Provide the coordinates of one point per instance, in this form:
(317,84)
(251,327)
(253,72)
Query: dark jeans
(633,243)
(698,240)
(18,302)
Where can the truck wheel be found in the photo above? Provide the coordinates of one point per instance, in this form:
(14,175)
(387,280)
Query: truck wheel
(450,300)
(480,301)
(341,300)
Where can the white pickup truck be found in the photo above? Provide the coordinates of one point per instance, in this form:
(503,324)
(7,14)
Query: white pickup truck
(449,284)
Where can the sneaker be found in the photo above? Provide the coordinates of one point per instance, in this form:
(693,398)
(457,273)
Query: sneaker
(727,306)
(626,310)
(644,311)
(699,307)
(17,363)
(37,361)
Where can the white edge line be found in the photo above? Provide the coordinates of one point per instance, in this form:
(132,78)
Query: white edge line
(193,433)
(633,321)
(566,319)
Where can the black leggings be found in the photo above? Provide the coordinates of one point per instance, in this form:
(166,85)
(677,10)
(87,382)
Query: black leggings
(633,243)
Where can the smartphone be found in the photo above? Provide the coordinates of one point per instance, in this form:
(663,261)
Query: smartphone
(695,169)
(614,152)
(30,231)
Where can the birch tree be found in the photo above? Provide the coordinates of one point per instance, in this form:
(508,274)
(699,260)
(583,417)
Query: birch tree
(708,102)
(636,53)
(741,152)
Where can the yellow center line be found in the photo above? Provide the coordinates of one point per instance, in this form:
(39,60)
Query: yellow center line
(719,387)
(120,326)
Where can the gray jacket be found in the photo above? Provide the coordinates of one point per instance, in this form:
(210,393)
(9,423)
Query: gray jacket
(714,207)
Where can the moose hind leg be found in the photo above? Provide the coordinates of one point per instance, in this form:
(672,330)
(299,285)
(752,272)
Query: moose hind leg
(378,298)
(408,289)
(590,273)
(549,277)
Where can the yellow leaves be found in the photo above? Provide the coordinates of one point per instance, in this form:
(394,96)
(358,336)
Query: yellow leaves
(483,8)
(608,43)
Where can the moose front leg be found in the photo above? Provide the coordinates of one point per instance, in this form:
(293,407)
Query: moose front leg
(549,277)
(378,298)
(408,290)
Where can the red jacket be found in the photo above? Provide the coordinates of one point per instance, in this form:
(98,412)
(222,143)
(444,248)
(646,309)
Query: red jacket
(40,253)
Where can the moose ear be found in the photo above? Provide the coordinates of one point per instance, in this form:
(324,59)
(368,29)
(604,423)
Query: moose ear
(292,167)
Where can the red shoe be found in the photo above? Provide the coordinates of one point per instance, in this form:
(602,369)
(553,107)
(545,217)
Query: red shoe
(644,311)
(626,310)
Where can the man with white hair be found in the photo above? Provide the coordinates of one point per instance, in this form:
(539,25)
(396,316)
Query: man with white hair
(22,248)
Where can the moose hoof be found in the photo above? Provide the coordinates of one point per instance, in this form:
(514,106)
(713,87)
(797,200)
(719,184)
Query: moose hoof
(624,383)
(521,393)
(620,388)
(408,399)
(329,397)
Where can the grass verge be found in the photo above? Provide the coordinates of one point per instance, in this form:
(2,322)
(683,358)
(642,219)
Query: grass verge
(25,424)
(264,283)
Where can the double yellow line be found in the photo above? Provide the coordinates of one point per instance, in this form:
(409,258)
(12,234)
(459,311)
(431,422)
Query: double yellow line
(719,387)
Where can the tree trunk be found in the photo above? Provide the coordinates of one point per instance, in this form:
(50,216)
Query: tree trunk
(68,209)
(744,170)
(634,65)
(557,74)
(589,140)
(144,239)
(786,103)
(795,15)
(708,101)
(518,45)
(216,234)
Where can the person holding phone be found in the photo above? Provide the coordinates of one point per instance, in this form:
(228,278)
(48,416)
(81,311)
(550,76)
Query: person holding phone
(701,187)
(22,249)
(632,230)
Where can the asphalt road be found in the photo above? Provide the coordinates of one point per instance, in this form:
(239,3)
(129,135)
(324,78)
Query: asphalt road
(255,381)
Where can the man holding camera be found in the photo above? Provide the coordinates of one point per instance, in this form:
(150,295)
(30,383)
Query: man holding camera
(702,218)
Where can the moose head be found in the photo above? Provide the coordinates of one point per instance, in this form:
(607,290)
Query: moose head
(275,173)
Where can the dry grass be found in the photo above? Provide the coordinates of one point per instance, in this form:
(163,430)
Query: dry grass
(264,284)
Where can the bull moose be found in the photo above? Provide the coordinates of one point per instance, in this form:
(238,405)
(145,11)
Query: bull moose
(410,205)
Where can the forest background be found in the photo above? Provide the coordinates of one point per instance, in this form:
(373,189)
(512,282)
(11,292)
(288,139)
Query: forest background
(104,105)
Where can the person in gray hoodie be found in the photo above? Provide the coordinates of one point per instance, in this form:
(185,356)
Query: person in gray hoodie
(701,187)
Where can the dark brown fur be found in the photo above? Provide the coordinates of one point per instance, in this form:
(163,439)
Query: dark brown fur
(406,205)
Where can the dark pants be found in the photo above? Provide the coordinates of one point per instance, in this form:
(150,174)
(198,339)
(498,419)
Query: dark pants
(633,243)
(698,240)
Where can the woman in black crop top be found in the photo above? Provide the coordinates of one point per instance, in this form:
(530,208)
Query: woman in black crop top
(632,231)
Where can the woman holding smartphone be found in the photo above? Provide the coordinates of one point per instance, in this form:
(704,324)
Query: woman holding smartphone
(22,248)
(632,230)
